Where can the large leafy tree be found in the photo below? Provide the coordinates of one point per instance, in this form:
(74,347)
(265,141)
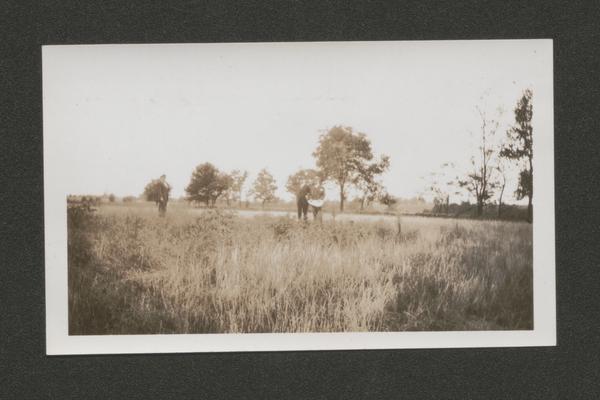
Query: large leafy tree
(340,155)
(520,147)
(207,184)
(304,177)
(264,187)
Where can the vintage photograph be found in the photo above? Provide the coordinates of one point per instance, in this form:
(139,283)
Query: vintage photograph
(296,188)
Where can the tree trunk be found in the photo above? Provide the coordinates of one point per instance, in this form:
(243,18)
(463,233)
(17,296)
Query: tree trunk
(362,204)
(341,197)
(500,201)
(479,207)
(530,194)
(447,204)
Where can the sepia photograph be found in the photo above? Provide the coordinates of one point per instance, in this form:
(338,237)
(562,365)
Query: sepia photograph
(298,196)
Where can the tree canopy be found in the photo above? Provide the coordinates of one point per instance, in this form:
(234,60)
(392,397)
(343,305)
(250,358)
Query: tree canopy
(264,187)
(387,199)
(207,184)
(520,147)
(238,178)
(365,180)
(304,177)
(341,155)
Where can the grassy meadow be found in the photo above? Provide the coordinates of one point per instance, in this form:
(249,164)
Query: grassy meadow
(218,271)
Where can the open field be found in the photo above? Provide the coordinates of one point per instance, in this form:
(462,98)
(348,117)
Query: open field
(217,271)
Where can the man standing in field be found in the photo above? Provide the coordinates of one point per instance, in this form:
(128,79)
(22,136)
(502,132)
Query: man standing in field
(302,202)
(163,195)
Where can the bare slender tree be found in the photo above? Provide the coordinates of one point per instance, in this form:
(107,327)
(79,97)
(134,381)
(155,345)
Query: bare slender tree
(501,183)
(479,181)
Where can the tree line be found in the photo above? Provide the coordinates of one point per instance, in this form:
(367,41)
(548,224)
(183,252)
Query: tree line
(345,158)
(487,174)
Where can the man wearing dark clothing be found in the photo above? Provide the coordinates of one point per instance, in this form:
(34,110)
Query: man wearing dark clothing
(163,195)
(302,202)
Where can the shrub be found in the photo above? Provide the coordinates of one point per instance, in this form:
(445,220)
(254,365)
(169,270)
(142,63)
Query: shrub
(283,227)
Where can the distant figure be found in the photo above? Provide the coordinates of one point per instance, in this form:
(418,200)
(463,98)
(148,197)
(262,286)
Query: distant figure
(302,202)
(163,195)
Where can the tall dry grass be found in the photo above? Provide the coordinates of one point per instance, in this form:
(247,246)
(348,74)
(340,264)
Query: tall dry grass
(134,273)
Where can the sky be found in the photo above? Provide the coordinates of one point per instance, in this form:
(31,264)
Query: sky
(117,116)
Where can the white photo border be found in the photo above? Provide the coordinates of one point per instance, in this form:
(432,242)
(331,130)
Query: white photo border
(58,341)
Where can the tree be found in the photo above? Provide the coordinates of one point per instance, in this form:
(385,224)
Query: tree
(520,147)
(238,179)
(207,184)
(441,199)
(441,184)
(304,177)
(152,190)
(111,198)
(501,183)
(365,180)
(340,155)
(387,199)
(264,187)
(479,182)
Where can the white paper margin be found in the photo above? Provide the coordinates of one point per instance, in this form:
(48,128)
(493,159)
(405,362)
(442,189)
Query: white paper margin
(58,341)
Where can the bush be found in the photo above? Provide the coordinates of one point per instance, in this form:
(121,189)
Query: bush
(283,227)
(79,213)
